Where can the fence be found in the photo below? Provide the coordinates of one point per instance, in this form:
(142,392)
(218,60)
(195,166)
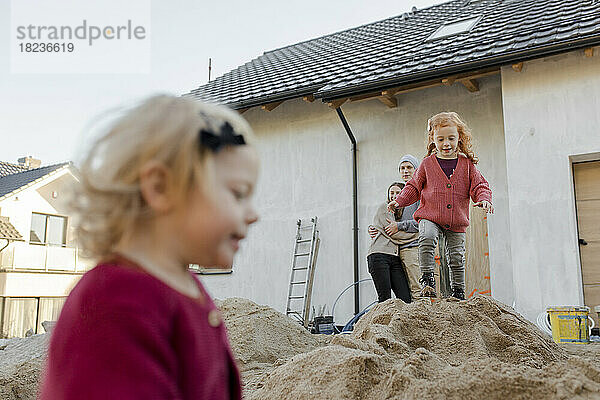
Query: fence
(43,257)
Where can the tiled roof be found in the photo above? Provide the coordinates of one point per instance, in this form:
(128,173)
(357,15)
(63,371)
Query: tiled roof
(8,231)
(8,168)
(10,183)
(395,51)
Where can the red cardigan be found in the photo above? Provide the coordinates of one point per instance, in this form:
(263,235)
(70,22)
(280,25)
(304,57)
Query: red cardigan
(123,334)
(445,201)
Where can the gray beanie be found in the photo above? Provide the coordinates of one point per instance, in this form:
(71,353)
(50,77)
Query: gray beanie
(411,159)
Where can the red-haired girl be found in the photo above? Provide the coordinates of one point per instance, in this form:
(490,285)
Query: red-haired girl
(444,183)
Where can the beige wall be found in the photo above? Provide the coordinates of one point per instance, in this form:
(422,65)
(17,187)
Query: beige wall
(551,115)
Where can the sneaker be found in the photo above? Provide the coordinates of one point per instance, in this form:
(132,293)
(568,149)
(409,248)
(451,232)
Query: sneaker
(427,282)
(458,293)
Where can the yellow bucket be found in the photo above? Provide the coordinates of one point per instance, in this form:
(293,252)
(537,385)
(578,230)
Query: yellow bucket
(569,324)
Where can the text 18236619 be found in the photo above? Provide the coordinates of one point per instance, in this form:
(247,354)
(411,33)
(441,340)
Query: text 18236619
(46,47)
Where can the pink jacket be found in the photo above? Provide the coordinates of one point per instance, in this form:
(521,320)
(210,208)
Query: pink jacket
(445,201)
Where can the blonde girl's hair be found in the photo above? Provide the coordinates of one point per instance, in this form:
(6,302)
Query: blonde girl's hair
(107,202)
(465,137)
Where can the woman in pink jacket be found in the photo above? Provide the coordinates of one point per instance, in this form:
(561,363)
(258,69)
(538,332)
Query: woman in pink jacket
(444,183)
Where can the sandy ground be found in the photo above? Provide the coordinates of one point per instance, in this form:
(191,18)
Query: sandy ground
(20,363)
(444,350)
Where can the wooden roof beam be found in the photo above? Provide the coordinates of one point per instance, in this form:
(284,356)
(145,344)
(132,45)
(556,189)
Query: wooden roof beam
(271,106)
(432,83)
(309,99)
(389,101)
(390,92)
(471,84)
(517,67)
(337,103)
(410,88)
(387,96)
(364,96)
(589,52)
(242,110)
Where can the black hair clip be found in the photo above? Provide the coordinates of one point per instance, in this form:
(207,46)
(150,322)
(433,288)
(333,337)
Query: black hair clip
(226,137)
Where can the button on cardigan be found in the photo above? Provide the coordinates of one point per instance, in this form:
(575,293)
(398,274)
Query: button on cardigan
(445,201)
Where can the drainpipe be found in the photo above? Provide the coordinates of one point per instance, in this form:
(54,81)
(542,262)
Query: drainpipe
(354,207)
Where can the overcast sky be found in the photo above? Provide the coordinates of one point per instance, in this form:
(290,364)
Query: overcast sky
(45,115)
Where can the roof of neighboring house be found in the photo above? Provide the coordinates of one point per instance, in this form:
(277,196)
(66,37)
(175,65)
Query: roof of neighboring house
(396,51)
(8,231)
(8,168)
(13,182)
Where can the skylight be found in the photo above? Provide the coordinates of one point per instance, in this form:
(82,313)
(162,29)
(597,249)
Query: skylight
(454,28)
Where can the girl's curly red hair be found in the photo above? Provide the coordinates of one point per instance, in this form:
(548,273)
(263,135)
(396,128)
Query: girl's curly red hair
(465,137)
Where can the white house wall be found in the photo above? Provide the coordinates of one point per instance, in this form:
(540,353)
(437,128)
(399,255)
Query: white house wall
(307,171)
(36,284)
(36,198)
(551,113)
(19,208)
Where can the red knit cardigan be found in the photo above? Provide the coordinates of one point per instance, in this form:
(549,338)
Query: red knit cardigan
(445,201)
(124,334)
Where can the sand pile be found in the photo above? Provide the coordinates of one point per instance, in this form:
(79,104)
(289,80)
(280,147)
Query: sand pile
(262,337)
(445,350)
(21,360)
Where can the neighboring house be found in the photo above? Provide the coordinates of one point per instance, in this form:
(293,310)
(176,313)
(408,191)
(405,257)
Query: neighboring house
(525,74)
(39,260)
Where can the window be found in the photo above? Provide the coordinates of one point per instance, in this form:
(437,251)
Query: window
(454,28)
(48,229)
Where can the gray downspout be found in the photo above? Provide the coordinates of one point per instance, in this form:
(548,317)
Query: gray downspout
(354,208)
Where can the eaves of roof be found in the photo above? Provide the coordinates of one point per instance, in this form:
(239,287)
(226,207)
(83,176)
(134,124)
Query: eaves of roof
(492,61)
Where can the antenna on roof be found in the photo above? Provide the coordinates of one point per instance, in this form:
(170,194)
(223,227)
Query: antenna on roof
(209,67)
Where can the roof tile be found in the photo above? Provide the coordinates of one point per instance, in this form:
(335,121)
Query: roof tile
(8,231)
(8,168)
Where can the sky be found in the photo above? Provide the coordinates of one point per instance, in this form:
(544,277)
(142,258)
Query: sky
(48,115)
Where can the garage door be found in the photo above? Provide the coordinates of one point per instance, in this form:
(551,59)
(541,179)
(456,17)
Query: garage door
(587,200)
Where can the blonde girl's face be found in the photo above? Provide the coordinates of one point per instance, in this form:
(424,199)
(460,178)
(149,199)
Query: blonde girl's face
(445,139)
(214,224)
(393,192)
